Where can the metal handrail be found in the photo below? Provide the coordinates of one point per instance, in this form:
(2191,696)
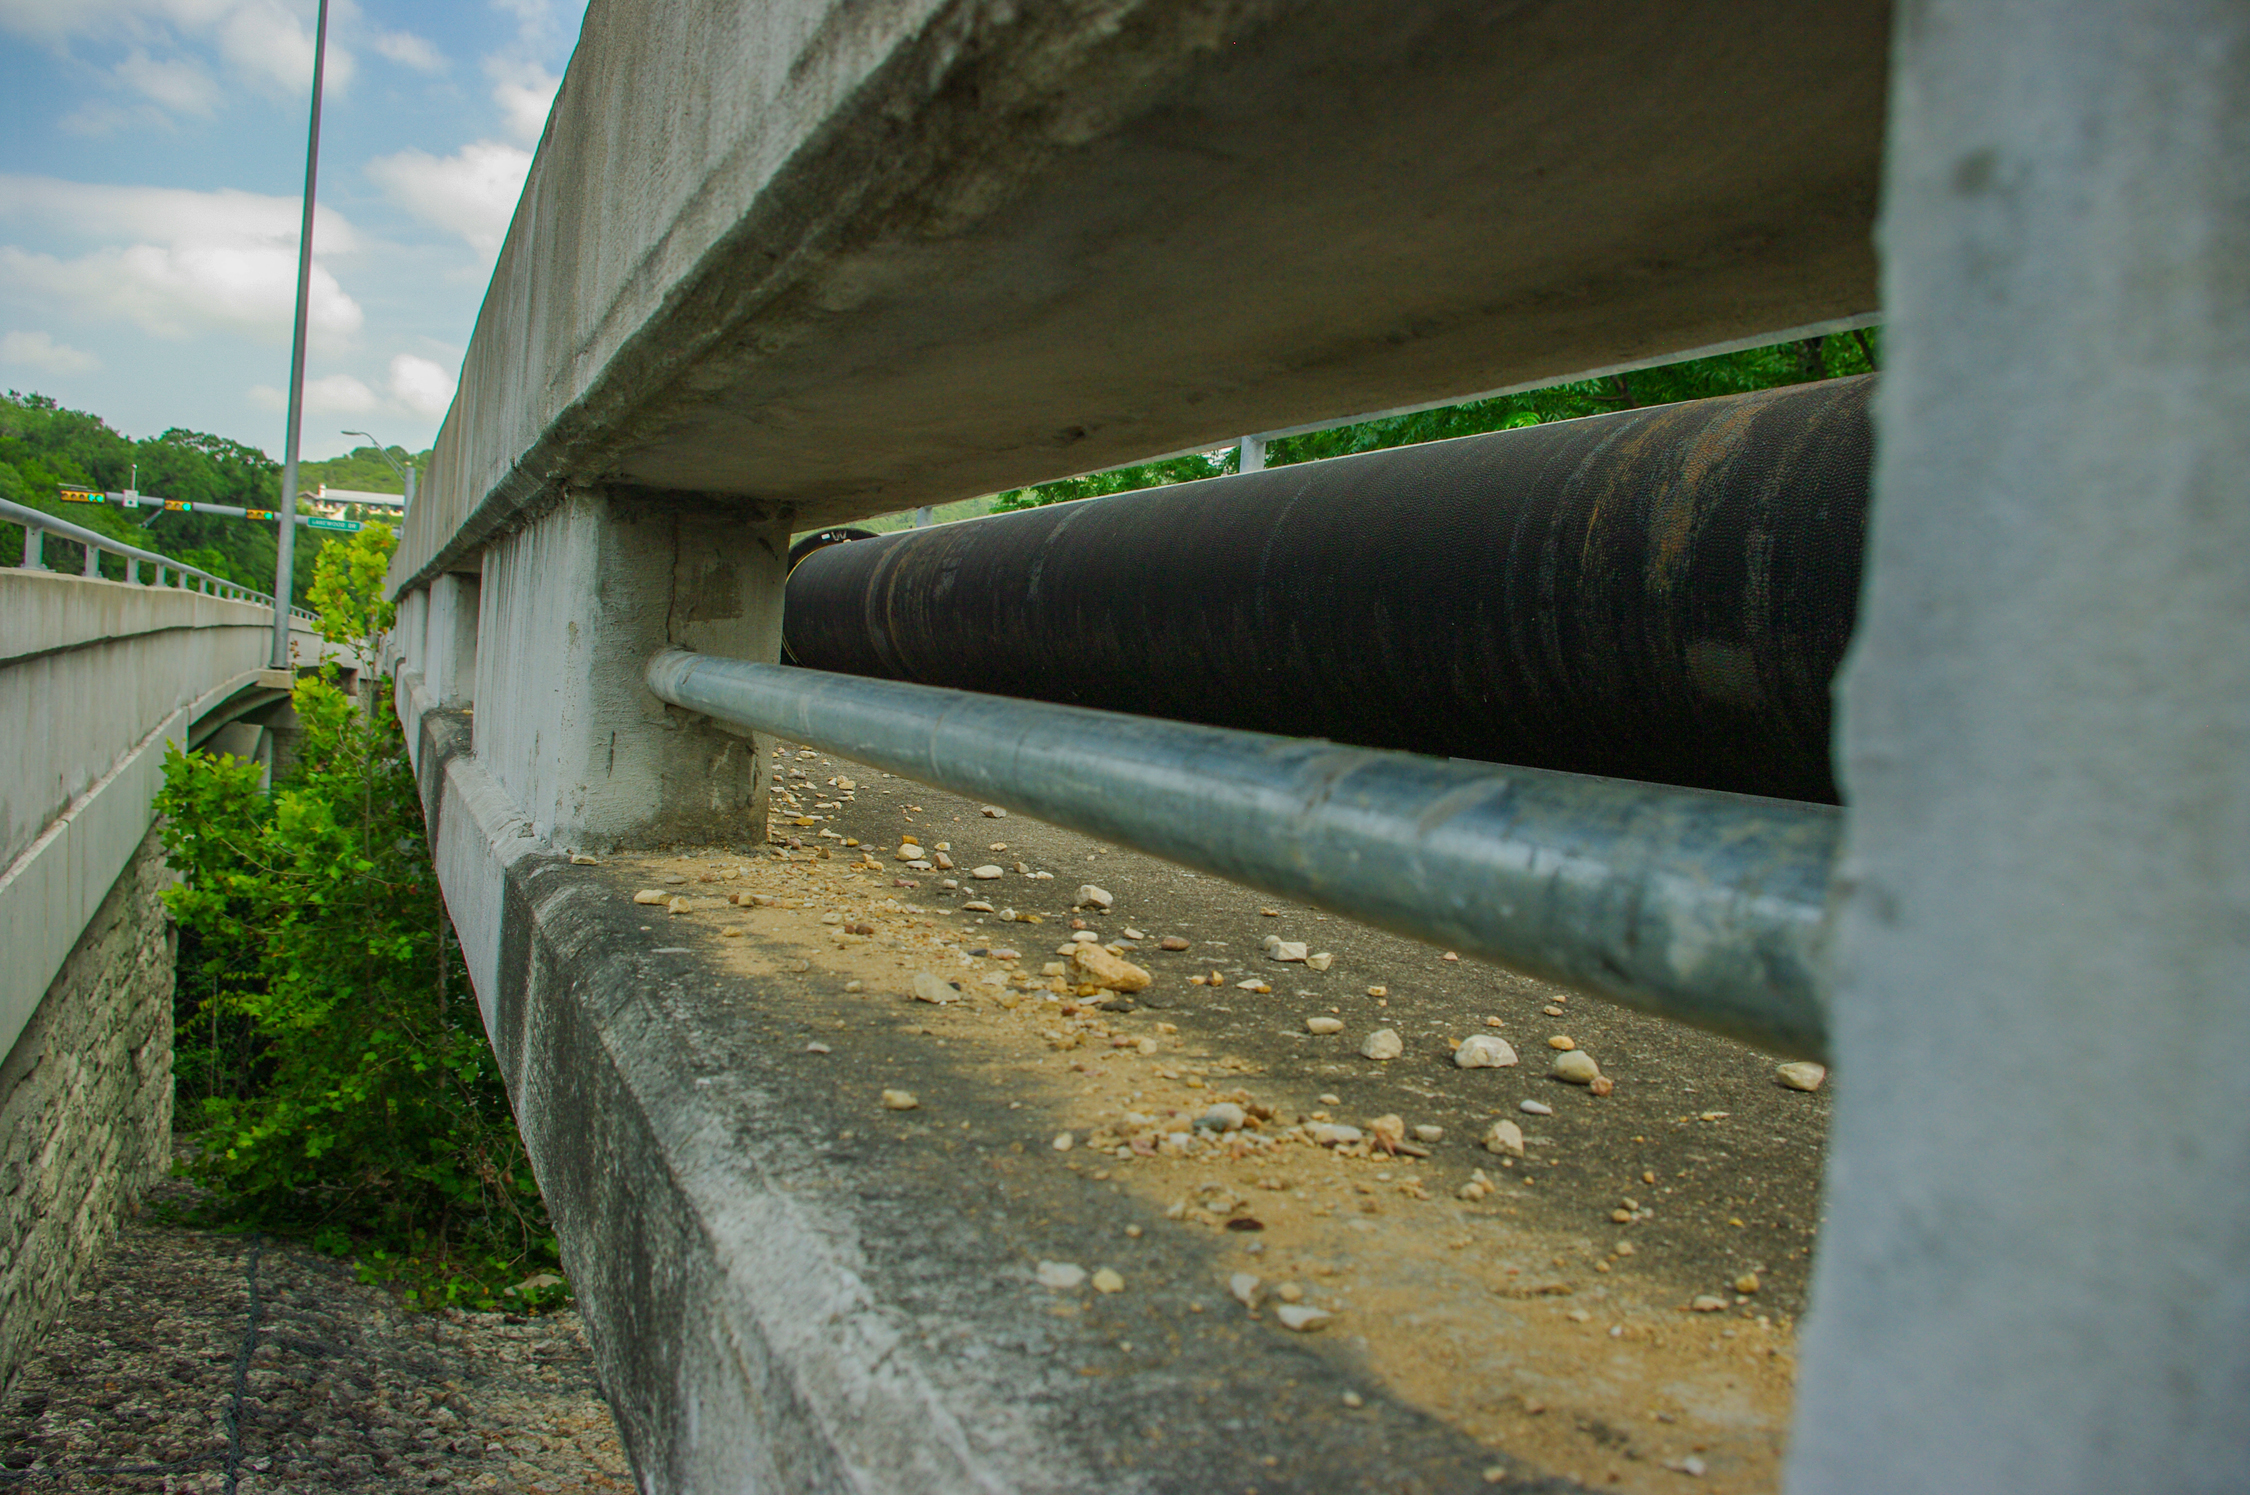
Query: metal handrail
(37,523)
(1701,907)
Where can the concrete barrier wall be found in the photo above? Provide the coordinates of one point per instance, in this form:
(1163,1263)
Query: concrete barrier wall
(96,677)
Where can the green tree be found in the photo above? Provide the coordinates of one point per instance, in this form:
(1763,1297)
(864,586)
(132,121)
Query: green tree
(44,447)
(1833,356)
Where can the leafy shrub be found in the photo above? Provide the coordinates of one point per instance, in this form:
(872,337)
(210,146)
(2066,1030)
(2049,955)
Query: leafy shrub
(349,1096)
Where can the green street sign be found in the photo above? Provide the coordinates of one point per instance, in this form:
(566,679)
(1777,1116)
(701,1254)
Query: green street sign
(348,526)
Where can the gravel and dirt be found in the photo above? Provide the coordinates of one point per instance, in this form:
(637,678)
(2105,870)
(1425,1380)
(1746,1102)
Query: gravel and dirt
(1615,1306)
(191,1361)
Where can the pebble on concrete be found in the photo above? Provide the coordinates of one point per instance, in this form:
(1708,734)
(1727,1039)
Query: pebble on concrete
(1484,1051)
(899,1100)
(1803,1075)
(651,895)
(1107,1281)
(986,873)
(1062,1276)
(1535,1108)
(1090,896)
(1324,1025)
(1301,1317)
(1171,942)
(1382,1044)
(1278,948)
(1243,1288)
(1575,1067)
(1320,962)
(928,988)
(1100,968)
(1226,1116)
(1506,1138)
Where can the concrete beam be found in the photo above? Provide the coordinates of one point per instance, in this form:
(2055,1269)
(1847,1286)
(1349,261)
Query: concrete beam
(571,607)
(853,260)
(2033,1272)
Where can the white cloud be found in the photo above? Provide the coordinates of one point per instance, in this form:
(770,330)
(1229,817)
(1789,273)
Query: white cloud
(525,92)
(472,192)
(37,350)
(409,50)
(421,386)
(268,42)
(225,259)
(172,83)
(334,394)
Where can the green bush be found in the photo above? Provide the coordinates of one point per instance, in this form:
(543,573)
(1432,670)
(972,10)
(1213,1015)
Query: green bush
(331,1050)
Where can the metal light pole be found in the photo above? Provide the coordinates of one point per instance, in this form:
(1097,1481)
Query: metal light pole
(285,559)
(405,470)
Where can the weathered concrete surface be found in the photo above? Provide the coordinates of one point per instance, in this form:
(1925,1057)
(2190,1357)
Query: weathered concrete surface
(571,606)
(790,1287)
(2036,1274)
(85,1103)
(851,259)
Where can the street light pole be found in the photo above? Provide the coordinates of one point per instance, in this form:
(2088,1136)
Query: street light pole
(285,559)
(405,470)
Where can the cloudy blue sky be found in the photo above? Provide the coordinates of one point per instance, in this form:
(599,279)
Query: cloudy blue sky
(154,152)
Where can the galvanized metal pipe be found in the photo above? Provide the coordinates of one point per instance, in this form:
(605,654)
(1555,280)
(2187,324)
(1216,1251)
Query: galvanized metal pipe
(1698,906)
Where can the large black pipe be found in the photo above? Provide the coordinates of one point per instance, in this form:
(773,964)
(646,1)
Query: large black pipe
(1657,594)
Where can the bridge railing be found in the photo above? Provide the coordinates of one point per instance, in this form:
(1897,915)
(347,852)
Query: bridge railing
(37,525)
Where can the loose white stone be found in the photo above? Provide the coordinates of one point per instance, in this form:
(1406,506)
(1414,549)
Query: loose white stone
(1484,1051)
(1090,896)
(986,873)
(928,988)
(1429,1134)
(976,905)
(1226,1116)
(995,812)
(1320,962)
(1332,1133)
(1324,1025)
(1133,934)
(1107,1281)
(1287,950)
(1062,1276)
(899,1100)
(1086,937)
(1243,1287)
(1535,1108)
(1708,1303)
(1301,1317)
(1064,1141)
(1383,1044)
(1575,1067)
(1803,1075)
(1506,1138)
(580,859)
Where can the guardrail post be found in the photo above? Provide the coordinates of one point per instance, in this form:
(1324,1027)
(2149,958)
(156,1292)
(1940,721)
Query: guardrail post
(31,547)
(571,607)
(2032,1274)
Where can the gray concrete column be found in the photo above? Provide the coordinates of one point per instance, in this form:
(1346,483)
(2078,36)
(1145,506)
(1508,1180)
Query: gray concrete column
(571,607)
(2035,1270)
(410,628)
(449,643)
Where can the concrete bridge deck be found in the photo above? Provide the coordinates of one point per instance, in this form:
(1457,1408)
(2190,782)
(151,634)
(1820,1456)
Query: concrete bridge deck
(779,266)
(869,1277)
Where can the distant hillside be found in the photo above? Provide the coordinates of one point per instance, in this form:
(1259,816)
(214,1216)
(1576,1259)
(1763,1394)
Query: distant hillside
(44,447)
(362,469)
